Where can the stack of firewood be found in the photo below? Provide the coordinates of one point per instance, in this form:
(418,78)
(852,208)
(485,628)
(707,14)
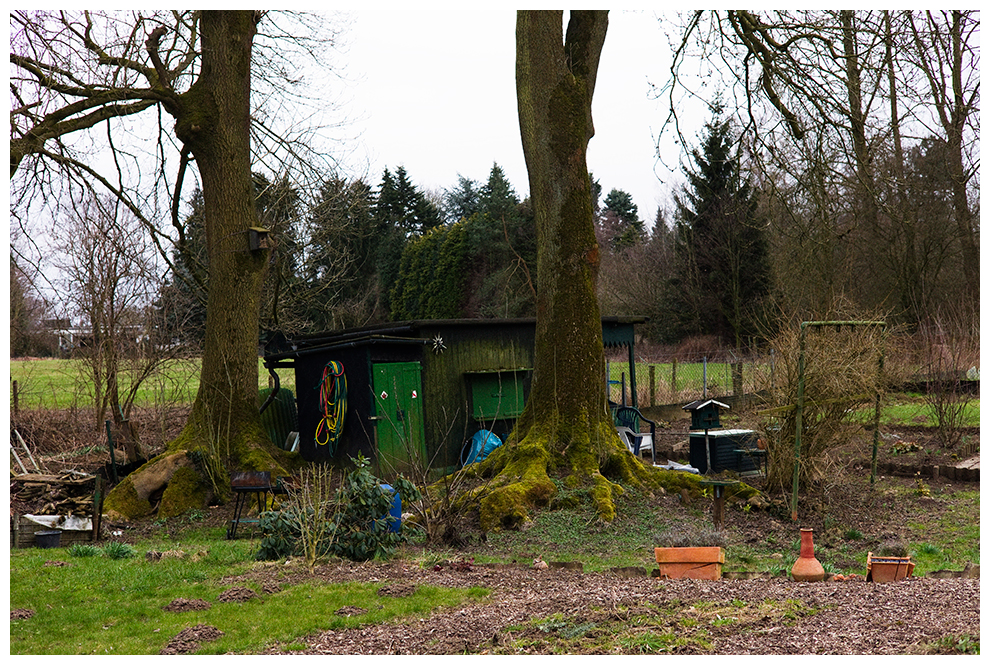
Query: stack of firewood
(68,494)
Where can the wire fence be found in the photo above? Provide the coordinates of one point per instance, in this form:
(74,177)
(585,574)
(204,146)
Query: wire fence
(685,379)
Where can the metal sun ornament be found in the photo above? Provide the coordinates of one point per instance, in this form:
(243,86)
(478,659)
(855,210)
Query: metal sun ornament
(438,346)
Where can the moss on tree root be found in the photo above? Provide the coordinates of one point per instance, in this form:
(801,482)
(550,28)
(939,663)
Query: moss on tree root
(189,487)
(521,478)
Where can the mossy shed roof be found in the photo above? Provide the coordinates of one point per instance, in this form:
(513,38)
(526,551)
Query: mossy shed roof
(616,330)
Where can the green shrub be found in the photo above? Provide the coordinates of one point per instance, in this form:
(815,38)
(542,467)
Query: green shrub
(360,527)
(892,548)
(363,522)
(279,535)
(82,550)
(117,550)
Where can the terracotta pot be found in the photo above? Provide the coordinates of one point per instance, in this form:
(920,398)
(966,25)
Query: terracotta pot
(807,568)
(697,563)
(887,568)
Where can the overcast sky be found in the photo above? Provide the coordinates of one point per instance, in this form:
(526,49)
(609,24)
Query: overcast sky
(434,92)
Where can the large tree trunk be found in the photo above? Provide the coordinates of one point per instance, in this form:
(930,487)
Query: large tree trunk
(213,121)
(566,420)
(954,128)
(865,189)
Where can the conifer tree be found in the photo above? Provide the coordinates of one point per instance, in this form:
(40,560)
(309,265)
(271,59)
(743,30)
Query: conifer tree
(723,277)
(340,261)
(462,201)
(401,212)
(620,218)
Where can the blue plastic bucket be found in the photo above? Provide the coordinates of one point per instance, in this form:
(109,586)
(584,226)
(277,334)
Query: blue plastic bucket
(396,510)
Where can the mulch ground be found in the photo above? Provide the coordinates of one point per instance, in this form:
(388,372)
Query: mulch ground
(851,617)
(190,639)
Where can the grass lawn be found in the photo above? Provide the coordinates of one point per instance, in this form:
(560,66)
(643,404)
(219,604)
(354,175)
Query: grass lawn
(574,535)
(98,605)
(912,409)
(60,384)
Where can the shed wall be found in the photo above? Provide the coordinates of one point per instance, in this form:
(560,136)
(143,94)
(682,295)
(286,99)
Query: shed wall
(474,348)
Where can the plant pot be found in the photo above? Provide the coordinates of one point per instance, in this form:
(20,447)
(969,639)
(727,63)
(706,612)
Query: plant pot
(696,563)
(887,568)
(807,568)
(47,539)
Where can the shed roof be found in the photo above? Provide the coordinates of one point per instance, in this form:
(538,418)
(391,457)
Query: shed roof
(616,330)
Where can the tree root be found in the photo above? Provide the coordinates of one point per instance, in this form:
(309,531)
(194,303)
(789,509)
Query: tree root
(520,481)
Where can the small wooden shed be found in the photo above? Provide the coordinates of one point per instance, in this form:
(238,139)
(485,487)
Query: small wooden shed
(417,391)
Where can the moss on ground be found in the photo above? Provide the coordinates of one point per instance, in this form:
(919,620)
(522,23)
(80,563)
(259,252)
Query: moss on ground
(247,448)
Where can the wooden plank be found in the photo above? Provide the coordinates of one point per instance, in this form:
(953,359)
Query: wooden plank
(57,480)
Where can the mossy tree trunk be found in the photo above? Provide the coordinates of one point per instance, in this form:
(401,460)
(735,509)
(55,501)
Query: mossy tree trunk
(212,119)
(566,422)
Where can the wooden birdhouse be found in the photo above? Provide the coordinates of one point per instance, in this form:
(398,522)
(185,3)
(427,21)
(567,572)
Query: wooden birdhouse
(705,413)
(258,238)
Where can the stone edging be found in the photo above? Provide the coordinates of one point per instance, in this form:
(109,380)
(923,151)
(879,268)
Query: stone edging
(933,471)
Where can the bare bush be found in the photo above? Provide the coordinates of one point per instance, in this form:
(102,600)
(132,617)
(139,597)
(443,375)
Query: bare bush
(315,502)
(842,372)
(449,502)
(951,361)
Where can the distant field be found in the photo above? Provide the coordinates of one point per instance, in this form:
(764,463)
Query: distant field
(911,409)
(680,382)
(61,384)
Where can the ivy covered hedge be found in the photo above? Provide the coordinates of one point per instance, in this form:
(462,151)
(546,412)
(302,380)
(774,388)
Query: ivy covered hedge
(432,275)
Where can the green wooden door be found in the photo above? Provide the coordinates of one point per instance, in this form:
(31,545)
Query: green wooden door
(399,415)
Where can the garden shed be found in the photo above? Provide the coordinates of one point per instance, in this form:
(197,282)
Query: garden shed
(409,392)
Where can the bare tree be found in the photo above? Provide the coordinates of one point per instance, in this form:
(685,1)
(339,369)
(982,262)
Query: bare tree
(79,82)
(108,275)
(27,311)
(856,90)
(948,353)
(566,420)
(946,51)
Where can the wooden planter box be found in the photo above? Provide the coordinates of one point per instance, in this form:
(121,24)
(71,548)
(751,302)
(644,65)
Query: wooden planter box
(696,563)
(22,532)
(887,568)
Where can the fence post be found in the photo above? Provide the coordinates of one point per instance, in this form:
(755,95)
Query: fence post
(673,381)
(653,384)
(16,398)
(704,378)
(737,378)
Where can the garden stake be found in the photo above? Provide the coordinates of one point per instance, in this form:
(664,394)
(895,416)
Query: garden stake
(113,461)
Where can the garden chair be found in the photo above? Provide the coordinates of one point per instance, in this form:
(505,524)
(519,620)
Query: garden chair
(627,424)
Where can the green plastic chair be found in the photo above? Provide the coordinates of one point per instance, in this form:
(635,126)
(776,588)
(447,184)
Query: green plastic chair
(627,422)
(281,416)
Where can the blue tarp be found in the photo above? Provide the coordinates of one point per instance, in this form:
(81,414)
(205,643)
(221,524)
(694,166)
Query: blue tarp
(479,447)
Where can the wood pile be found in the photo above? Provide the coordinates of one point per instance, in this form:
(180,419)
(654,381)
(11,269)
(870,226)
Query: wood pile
(66,494)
